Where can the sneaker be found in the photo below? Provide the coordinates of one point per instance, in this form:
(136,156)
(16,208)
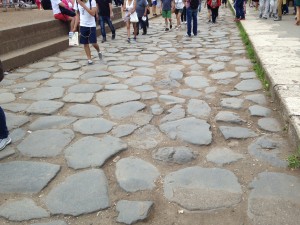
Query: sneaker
(209,21)
(103,40)
(260,15)
(113,37)
(187,35)
(134,39)
(167,29)
(100,55)
(278,18)
(128,40)
(170,26)
(90,62)
(265,17)
(185,22)
(4,142)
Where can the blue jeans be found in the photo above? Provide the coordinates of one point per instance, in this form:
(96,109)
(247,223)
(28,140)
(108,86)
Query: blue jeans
(191,14)
(3,128)
(239,9)
(102,20)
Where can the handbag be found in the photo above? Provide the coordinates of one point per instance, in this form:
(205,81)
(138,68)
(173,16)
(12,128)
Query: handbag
(134,18)
(66,11)
(73,39)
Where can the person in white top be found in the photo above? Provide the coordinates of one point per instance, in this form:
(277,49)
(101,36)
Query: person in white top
(129,7)
(58,15)
(85,13)
(178,11)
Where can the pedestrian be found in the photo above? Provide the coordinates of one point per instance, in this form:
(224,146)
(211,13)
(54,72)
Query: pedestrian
(105,13)
(141,10)
(208,11)
(129,8)
(264,8)
(298,12)
(166,8)
(4,138)
(224,3)
(279,11)
(239,10)
(178,11)
(56,4)
(273,8)
(154,5)
(85,14)
(214,5)
(191,15)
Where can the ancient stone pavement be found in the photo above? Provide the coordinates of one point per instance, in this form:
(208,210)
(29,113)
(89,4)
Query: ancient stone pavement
(169,130)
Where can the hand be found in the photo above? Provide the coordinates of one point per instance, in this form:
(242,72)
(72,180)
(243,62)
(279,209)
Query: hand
(112,15)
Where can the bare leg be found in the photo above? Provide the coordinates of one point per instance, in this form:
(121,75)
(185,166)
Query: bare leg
(87,51)
(178,19)
(128,29)
(134,29)
(96,46)
(298,16)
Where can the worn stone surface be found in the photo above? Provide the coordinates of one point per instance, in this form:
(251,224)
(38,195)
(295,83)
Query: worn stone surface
(134,174)
(257,110)
(46,143)
(232,103)
(132,211)
(44,107)
(169,99)
(51,122)
(21,210)
(198,108)
(196,82)
(26,177)
(93,126)
(249,85)
(229,117)
(44,93)
(269,124)
(15,107)
(15,121)
(7,97)
(236,132)
(257,98)
(126,109)
(156,109)
(92,151)
(274,199)
(90,194)
(196,188)
(114,97)
(124,130)
(178,155)
(223,156)
(224,75)
(85,88)
(56,222)
(78,97)
(85,110)
(145,138)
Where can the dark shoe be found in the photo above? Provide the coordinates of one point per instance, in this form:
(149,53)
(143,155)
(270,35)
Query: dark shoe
(278,18)
(113,37)
(167,29)
(170,26)
(103,40)
(144,33)
(128,40)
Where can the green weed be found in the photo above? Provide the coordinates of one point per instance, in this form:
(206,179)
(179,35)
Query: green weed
(294,160)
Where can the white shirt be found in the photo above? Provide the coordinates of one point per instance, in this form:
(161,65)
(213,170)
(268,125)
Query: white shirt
(86,20)
(179,4)
(55,6)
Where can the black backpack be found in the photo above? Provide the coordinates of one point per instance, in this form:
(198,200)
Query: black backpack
(46,4)
(194,4)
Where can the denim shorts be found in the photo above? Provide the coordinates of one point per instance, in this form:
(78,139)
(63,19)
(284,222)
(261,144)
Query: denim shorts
(88,35)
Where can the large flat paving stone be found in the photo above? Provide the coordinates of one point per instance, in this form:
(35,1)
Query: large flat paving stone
(249,85)
(97,73)
(7,97)
(191,130)
(85,110)
(199,109)
(44,107)
(126,109)
(269,124)
(224,75)
(139,80)
(44,93)
(92,151)
(257,98)
(175,113)
(42,65)
(134,174)
(60,82)
(85,88)
(56,222)
(257,110)
(15,121)
(115,97)
(90,194)
(124,130)
(146,138)
(222,156)
(197,82)
(274,199)
(78,97)
(51,122)
(169,99)
(236,132)
(93,126)
(15,107)
(121,68)
(232,103)
(229,117)
(37,76)
(46,143)
(21,210)
(131,212)
(196,188)
(26,176)
(270,149)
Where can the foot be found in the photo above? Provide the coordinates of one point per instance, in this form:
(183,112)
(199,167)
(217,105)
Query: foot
(170,26)
(265,17)
(167,29)
(128,40)
(134,39)
(113,37)
(187,35)
(100,55)
(260,16)
(4,142)
(278,18)
(103,40)
(144,33)
(90,62)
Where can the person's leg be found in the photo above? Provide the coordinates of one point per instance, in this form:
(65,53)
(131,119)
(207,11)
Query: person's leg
(279,10)
(3,127)
(189,21)
(184,14)
(266,10)
(261,8)
(178,19)
(298,16)
(135,31)
(102,27)
(154,3)
(195,23)
(111,27)
(213,15)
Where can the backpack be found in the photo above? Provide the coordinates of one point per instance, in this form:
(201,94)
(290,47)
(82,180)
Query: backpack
(46,4)
(194,4)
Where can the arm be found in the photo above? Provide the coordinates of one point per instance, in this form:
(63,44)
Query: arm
(111,11)
(92,11)
(134,7)
(77,19)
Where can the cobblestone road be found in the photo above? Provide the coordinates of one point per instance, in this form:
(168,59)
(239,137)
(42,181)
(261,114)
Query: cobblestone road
(169,130)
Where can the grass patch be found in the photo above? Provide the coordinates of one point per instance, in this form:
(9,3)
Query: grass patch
(294,160)
(257,67)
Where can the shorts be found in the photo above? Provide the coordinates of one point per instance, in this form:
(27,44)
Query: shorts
(61,17)
(166,14)
(154,3)
(178,11)
(88,35)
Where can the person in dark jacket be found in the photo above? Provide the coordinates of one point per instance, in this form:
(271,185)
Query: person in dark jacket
(141,10)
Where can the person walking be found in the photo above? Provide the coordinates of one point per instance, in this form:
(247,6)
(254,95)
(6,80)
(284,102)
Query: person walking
(178,11)
(214,6)
(4,138)
(239,10)
(105,13)
(141,10)
(166,7)
(85,13)
(191,15)
(129,7)
(297,3)
(279,11)
(183,14)
(264,6)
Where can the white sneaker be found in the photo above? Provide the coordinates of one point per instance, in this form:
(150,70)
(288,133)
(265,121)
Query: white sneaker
(100,55)
(4,142)
(90,62)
